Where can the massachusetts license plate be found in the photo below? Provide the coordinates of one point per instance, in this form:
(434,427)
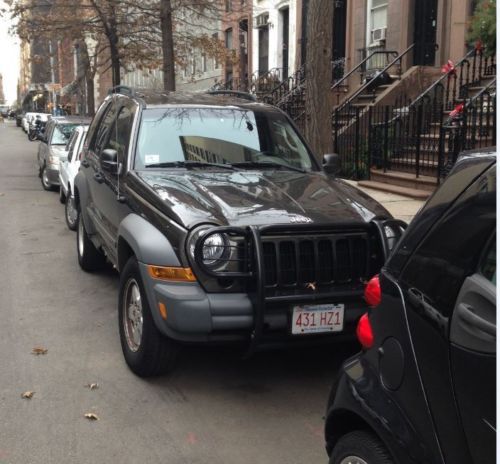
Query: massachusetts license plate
(317,319)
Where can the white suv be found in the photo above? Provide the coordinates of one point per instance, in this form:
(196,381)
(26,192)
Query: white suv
(67,173)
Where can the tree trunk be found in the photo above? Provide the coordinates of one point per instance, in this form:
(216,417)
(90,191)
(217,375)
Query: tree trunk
(89,82)
(318,130)
(88,77)
(167,45)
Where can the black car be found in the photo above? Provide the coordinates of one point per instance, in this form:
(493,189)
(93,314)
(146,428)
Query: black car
(223,226)
(423,390)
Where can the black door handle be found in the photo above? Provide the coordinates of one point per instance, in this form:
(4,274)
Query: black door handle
(418,299)
(98,178)
(467,314)
(85,163)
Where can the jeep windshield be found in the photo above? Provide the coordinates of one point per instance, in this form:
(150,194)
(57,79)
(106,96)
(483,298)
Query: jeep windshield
(213,137)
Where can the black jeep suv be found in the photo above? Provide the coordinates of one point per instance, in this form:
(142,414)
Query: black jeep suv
(223,226)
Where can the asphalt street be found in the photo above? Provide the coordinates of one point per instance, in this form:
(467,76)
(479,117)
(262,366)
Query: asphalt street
(215,408)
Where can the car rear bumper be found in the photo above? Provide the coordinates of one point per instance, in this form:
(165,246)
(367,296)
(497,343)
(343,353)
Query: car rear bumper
(196,316)
(53,174)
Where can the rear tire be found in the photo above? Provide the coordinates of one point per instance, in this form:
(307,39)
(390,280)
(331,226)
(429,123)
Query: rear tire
(147,352)
(360,447)
(71,212)
(89,257)
(45,179)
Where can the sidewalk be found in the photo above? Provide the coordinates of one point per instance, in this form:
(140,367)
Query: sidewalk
(400,207)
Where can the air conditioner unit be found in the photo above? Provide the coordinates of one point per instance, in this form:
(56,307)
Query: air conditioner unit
(379,34)
(262,20)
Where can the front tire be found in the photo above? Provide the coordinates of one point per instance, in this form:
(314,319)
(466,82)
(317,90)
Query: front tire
(147,352)
(89,257)
(360,447)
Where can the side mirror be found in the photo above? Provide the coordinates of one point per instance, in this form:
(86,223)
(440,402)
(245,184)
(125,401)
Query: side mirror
(42,137)
(109,160)
(331,163)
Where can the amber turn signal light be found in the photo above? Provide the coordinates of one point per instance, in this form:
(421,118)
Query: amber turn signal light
(178,274)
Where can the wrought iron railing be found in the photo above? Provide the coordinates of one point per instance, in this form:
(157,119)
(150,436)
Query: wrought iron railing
(453,85)
(469,126)
(405,138)
(259,82)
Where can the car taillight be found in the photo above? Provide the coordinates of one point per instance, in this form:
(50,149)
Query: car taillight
(373,295)
(364,332)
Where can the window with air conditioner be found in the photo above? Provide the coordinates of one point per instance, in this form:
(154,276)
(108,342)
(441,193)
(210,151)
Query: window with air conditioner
(378,21)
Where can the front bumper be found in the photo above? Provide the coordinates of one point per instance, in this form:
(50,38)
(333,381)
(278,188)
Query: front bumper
(196,316)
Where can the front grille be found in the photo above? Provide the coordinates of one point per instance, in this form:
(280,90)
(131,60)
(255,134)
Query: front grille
(325,260)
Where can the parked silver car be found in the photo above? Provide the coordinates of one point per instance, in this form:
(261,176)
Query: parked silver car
(53,148)
(67,172)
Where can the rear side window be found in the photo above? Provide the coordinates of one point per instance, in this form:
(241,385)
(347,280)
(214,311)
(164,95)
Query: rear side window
(453,248)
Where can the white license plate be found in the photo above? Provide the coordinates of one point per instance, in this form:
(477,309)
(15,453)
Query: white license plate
(317,319)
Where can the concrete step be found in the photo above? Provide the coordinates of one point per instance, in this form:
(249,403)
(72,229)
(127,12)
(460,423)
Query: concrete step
(406,192)
(404,179)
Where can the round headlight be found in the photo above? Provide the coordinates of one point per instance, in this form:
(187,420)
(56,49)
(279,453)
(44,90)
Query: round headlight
(214,248)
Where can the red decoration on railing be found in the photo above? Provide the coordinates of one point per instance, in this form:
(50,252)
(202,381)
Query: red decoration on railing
(449,68)
(479,46)
(457,111)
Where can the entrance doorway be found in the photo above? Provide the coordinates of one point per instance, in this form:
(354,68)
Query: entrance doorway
(338,40)
(285,40)
(424,52)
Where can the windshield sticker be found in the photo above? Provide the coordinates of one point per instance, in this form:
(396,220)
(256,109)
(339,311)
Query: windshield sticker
(151,159)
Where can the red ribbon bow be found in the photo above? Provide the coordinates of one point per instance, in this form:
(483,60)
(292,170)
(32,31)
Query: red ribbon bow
(449,67)
(457,110)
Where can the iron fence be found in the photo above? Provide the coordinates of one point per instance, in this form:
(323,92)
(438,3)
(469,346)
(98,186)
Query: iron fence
(410,138)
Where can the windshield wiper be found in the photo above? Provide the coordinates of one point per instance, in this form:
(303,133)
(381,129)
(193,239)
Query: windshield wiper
(266,164)
(189,164)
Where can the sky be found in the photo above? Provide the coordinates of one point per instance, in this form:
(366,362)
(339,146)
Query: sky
(9,60)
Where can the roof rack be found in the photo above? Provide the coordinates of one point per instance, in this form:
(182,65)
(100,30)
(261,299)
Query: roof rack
(124,89)
(234,93)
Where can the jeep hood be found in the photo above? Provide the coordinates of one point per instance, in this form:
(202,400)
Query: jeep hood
(241,198)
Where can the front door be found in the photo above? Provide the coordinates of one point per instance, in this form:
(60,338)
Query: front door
(285,12)
(263,50)
(473,356)
(338,45)
(424,52)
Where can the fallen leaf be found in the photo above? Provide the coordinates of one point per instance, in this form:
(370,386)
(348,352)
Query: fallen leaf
(27,395)
(39,350)
(92,386)
(91,416)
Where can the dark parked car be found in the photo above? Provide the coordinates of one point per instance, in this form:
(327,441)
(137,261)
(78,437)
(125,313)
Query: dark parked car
(222,225)
(53,147)
(423,390)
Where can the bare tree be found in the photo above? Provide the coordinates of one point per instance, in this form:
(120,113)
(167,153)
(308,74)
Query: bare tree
(318,130)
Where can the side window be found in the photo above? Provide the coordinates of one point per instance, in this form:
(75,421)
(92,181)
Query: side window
(71,145)
(95,125)
(453,248)
(488,266)
(104,130)
(120,133)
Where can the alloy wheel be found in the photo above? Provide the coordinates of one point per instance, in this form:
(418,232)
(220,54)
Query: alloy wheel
(71,211)
(353,460)
(132,315)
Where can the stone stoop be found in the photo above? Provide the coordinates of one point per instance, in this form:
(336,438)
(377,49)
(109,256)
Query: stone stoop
(401,183)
